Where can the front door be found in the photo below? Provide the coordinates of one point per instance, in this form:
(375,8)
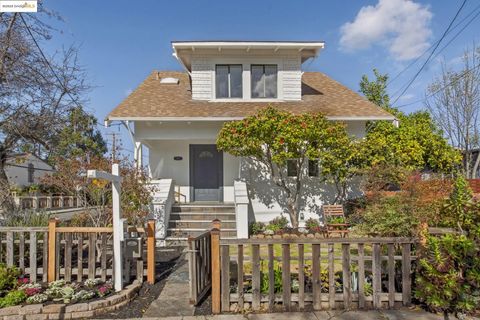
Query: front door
(206,172)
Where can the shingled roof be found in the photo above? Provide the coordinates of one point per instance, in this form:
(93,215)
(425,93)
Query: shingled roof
(320,93)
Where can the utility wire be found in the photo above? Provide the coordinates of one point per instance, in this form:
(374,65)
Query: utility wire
(456,35)
(431,53)
(47,62)
(465,73)
(425,52)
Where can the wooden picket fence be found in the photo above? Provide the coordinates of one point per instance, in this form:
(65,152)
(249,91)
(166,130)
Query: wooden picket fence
(200,266)
(328,273)
(45,254)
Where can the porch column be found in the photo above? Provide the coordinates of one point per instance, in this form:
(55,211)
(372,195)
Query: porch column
(138,154)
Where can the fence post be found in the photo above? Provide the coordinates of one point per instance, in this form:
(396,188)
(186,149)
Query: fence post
(52,234)
(151,251)
(215,251)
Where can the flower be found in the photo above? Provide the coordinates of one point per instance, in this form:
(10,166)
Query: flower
(31,289)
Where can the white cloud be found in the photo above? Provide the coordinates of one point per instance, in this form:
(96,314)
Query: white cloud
(402,26)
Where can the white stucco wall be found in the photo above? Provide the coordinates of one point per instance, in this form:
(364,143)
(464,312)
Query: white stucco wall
(17,170)
(170,139)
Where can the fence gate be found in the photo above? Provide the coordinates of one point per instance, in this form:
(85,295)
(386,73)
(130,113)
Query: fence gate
(200,266)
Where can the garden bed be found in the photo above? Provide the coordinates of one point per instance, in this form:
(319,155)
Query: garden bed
(58,310)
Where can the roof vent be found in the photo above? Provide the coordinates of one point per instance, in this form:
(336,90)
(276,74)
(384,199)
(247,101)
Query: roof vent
(169,81)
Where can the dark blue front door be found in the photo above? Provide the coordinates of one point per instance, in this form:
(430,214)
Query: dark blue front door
(206,172)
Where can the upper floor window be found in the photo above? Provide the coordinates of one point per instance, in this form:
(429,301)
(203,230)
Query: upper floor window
(264,81)
(228,81)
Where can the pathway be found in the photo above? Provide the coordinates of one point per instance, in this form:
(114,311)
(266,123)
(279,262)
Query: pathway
(173,301)
(400,314)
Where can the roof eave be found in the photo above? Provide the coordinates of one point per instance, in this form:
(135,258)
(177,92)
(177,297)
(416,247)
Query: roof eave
(166,119)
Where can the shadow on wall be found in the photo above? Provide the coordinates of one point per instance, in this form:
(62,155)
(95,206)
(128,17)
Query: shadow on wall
(267,200)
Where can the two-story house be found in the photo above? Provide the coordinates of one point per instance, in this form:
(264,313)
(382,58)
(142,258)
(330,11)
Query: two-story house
(177,116)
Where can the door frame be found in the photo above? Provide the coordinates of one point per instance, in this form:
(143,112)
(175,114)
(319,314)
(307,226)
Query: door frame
(192,166)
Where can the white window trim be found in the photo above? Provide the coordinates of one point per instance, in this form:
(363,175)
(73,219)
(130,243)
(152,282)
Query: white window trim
(229,81)
(246,62)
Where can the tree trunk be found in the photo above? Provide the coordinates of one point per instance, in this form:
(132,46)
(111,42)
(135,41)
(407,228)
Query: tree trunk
(6,199)
(293,213)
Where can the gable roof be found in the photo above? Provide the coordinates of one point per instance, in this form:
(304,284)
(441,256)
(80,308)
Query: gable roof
(153,100)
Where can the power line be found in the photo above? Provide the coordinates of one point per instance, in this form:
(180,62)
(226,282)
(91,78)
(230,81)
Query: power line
(47,62)
(425,52)
(466,72)
(431,53)
(456,35)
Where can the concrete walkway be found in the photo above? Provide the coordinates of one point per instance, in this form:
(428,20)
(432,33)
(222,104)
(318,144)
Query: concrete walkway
(173,301)
(401,314)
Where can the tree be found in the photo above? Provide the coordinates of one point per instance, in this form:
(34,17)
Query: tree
(96,195)
(416,143)
(455,106)
(79,137)
(376,91)
(272,138)
(35,93)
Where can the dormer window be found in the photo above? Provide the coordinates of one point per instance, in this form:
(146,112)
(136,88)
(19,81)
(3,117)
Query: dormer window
(264,81)
(228,81)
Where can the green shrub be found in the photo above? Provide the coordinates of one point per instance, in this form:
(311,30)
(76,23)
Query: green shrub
(27,218)
(459,210)
(388,217)
(8,279)
(256,227)
(277,224)
(13,298)
(312,224)
(264,281)
(448,275)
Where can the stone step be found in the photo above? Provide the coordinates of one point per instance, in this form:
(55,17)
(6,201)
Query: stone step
(222,216)
(217,208)
(174,233)
(202,224)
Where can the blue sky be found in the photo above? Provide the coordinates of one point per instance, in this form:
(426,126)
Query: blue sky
(123,41)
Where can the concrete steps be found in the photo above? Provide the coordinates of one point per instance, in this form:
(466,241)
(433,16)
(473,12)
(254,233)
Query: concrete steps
(194,219)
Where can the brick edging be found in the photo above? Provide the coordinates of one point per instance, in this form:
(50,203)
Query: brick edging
(72,311)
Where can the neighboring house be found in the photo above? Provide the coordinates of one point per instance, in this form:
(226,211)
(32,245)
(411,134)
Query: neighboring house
(177,116)
(25,169)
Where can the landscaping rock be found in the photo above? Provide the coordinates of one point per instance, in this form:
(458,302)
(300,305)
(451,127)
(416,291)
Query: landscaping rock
(247,306)
(10,311)
(59,316)
(260,236)
(98,304)
(277,236)
(53,308)
(83,314)
(318,235)
(40,316)
(78,307)
(31,309)
(310,236)
(234,307)
(14,317)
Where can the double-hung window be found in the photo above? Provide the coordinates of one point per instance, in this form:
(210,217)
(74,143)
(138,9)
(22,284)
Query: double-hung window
(264,81)
(228,81)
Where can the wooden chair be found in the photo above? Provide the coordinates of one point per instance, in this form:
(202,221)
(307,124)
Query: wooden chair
(332,212)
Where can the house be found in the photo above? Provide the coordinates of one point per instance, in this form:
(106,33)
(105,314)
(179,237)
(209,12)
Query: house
(177,116)
(25,169)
